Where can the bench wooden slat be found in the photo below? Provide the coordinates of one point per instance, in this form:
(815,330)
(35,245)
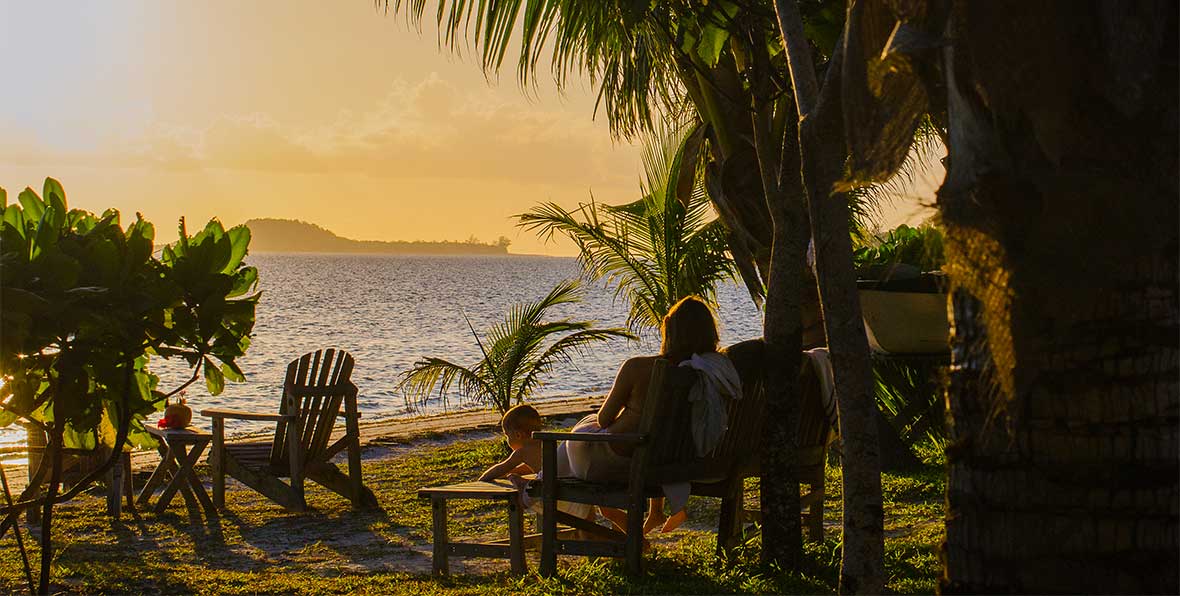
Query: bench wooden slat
(501,489)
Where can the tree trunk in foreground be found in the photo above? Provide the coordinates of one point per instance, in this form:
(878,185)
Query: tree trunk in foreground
(782,531)
(862,568)
(822,151)
(1061,208)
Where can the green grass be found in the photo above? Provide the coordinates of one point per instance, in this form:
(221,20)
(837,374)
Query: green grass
(258,548)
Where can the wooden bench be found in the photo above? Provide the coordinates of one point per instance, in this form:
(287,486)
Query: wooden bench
(664,453)
(511,548)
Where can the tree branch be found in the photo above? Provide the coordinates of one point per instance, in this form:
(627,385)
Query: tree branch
(803,77)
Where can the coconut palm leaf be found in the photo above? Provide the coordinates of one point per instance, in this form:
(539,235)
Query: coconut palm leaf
(431,374)
(627,56)
(517,353)
(608,247)
(561,352)
(655,250)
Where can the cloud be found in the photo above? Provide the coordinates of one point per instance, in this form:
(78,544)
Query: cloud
(428,129)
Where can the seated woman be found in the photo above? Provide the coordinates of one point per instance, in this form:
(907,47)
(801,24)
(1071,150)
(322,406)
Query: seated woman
(687,329)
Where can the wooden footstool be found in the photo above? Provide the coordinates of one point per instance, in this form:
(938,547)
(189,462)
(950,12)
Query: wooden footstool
(512,548)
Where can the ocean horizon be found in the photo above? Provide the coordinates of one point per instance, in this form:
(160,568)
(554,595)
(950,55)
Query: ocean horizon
(388,310)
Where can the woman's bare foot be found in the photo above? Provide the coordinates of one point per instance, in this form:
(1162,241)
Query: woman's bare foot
(674,522)
(655,519)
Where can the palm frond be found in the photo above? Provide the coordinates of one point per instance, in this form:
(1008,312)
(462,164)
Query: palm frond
(617,43)
(429,375)
(649,250)
(560,352)
(609,248)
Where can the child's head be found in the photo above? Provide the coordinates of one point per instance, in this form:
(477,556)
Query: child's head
(519,423)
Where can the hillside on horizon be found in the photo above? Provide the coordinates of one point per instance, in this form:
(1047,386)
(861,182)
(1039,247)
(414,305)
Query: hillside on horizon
(289,235)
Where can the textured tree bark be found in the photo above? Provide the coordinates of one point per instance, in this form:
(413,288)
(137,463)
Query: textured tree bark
(822,150)
(57,445)
(862,568)
(1068,485)
(1062,241)
(782,534)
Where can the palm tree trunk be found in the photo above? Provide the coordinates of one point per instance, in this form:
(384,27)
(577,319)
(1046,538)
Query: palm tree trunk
(1069,485)
(822,151)
(1064,399)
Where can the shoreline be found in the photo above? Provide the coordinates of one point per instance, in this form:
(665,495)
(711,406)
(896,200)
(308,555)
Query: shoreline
(379,432)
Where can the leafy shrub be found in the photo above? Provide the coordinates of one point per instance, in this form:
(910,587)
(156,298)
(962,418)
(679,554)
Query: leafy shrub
(919,247)
(87,303)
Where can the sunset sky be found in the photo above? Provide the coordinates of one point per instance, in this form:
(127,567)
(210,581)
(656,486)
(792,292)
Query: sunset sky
(329,112)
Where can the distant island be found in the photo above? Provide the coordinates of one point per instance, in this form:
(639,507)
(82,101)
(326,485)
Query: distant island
(289,235)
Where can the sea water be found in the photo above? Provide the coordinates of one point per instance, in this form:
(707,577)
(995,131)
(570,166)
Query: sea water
(390,310)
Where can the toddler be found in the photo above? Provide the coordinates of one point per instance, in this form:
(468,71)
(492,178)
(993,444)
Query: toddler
(518,425)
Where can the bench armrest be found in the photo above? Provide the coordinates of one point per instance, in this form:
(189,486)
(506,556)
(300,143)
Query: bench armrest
(240,415)
(590,437)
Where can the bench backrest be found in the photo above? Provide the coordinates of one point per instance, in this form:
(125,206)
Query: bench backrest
(670,454)
(315,387)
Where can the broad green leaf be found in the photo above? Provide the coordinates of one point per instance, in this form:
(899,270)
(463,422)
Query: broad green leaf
(214,379)
(244,281)
(712,42)
(138,437)
(181,239)
(3,197)
(220,254)
(58,270)
(53,187)
(107,425)
(239,237)
(45,238)
(75,438)
(32,204)
(15,217)
(231,371)
(139,240)
(55,196)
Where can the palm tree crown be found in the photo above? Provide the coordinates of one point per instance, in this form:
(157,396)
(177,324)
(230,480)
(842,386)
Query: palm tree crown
(656,250)
(517,354)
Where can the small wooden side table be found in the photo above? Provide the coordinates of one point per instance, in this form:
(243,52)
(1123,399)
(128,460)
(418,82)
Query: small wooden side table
(512,548)
(180,449)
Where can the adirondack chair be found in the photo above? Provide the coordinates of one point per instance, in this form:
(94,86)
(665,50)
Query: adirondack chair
(316,386)
(664,453)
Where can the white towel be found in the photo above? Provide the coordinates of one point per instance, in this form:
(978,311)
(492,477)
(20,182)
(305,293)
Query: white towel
(719,382)
(822,361)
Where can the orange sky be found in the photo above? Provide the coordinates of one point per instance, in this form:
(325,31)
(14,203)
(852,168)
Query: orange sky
(329,112)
